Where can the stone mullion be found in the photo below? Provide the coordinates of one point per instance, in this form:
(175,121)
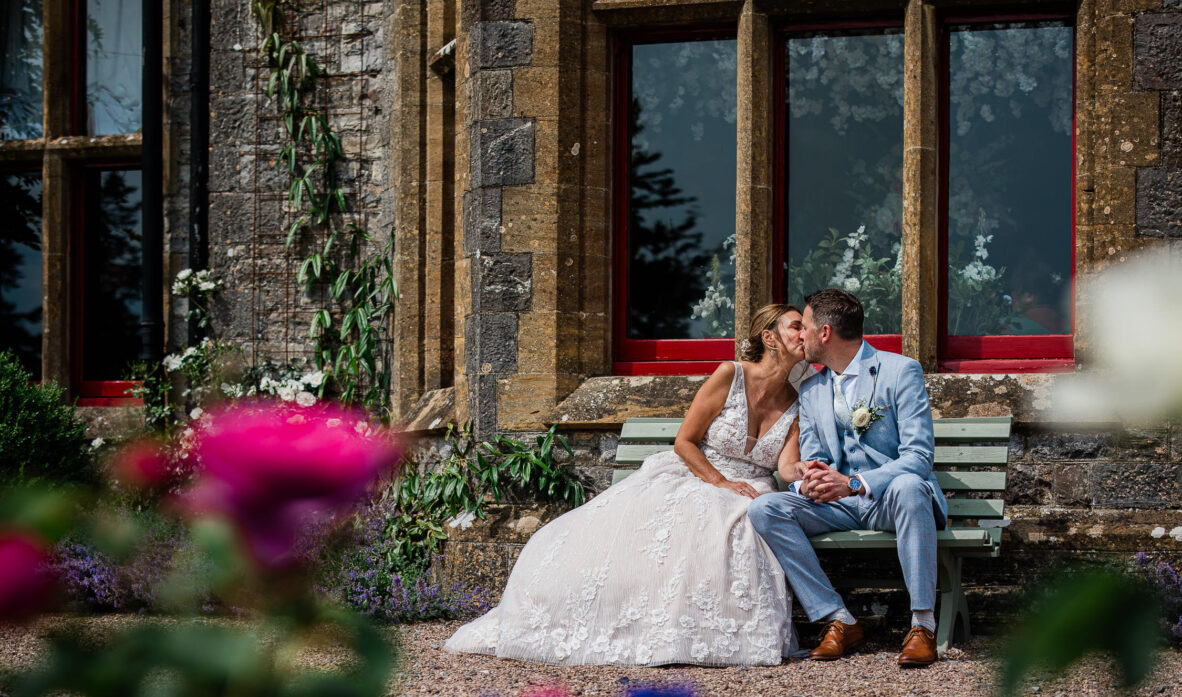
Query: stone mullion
(407,173)
(437,310)
(921,184)
(56,334)
(754,166)
(57,72)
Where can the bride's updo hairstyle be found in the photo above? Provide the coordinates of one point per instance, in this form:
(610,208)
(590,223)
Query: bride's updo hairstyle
(767,317)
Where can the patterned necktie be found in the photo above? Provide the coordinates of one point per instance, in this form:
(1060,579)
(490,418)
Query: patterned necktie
(841,408)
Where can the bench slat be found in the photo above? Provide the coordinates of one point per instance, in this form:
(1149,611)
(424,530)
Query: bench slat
(634,454)
(946,430)
(872,539)
(992,428)
(972,481)
(649,430)
(971,454)
(976,508)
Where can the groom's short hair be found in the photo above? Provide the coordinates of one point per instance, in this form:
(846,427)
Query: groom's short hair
(840,310)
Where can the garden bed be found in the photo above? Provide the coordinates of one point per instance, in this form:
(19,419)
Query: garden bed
(428,670)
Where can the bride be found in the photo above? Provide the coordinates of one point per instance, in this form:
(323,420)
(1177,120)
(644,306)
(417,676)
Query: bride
(664,567)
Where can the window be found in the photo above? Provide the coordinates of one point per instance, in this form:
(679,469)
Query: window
(842,170)
(994,235)
(676,211)
(73,260)
(1006,216)
(20,267)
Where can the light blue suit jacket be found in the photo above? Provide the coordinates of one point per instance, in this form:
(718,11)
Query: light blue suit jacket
(900,442)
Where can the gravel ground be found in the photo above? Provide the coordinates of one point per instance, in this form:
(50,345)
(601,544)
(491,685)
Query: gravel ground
(428,670)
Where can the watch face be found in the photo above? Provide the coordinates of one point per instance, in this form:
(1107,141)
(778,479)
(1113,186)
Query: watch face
(855,484)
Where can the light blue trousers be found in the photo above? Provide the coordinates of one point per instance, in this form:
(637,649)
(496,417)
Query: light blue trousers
(785,521)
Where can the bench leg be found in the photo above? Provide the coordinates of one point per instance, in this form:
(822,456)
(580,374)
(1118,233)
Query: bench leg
(953,623)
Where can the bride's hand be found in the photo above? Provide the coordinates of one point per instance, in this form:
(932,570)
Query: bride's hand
(740,488)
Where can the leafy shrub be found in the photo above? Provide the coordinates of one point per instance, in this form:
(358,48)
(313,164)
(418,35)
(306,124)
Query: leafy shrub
(423,502)
(42,441)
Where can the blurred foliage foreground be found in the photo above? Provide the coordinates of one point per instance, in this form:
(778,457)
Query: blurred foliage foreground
(266,473)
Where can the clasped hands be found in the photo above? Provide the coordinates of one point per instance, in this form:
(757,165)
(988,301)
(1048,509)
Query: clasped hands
(822,483)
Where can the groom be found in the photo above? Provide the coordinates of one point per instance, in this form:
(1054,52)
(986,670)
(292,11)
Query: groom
(866,439)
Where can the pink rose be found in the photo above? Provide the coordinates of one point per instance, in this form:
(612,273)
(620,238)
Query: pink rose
(272,474)
(142,465)
(26,583)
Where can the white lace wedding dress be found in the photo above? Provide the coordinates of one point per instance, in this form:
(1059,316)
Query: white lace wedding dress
(660,568)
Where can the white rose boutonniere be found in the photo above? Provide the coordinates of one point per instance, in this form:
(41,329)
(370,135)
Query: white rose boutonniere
(864,415)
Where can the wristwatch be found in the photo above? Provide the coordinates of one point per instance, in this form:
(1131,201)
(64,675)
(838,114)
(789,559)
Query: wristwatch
(855,486)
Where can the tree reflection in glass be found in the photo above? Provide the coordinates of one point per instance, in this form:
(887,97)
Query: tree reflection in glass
(844,140)
(20,70)
(681,225)
(1009,188)
(112,304)
(114,47)
(20,268)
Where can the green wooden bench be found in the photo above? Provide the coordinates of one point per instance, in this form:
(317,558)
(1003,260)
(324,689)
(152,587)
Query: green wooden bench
(971,456)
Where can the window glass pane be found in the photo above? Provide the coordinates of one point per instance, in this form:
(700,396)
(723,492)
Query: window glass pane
(681,227)
(112,303)
(20,70)
(20,268)
(113,61)
(844,178)
(1009,188)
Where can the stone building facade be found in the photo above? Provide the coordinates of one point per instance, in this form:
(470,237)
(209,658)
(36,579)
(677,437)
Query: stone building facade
(485,137)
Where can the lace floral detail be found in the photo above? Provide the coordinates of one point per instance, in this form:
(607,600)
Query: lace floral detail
(661,568)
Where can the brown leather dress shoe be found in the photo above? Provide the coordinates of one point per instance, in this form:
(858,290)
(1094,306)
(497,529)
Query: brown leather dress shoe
(919,648)
(837,640)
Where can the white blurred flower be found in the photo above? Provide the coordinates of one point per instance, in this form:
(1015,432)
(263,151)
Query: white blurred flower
(1133,329)
(305,399)
(333,423)
(197,413)
(172,362)
(207,286)
(313,379)
(853,284)
(97,443)
(463,521)
(286,393)
(1158,533)
(184,274)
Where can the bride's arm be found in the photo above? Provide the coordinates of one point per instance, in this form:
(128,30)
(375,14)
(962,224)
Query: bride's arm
(789,465)
(706,405)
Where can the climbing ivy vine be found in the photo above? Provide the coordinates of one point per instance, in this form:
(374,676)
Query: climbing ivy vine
(360,285)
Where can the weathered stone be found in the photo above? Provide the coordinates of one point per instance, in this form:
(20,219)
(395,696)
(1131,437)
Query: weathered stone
(1143,444)
(504,283)
(1129,129)
(492,343)
(504,44)
(498,10)
(1028,484)
(482,220)
(1114,53)
(434,410)
(1159,201)
(494,94)
(1158,51)
(595,480)
(1171,129)
(1072,485)
(110,422)
(1140,485)
(482,404)
(1017,447)
(503,152)
(1069,446)
(481,565)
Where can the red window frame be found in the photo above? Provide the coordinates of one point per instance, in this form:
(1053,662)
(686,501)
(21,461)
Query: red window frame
(649,356)
(1052,353)
(882,342)
(90,393)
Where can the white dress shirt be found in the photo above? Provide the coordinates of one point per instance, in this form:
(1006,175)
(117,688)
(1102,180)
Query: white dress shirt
(849,388)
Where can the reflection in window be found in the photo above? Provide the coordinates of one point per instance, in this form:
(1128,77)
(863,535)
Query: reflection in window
(20,268)
(681,226)
(113,61)
(20,70)
(843,206)
(1009,188)
(112,302)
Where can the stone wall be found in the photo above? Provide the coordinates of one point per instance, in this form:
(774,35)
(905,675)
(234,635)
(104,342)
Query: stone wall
(261,306)
(479,131)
